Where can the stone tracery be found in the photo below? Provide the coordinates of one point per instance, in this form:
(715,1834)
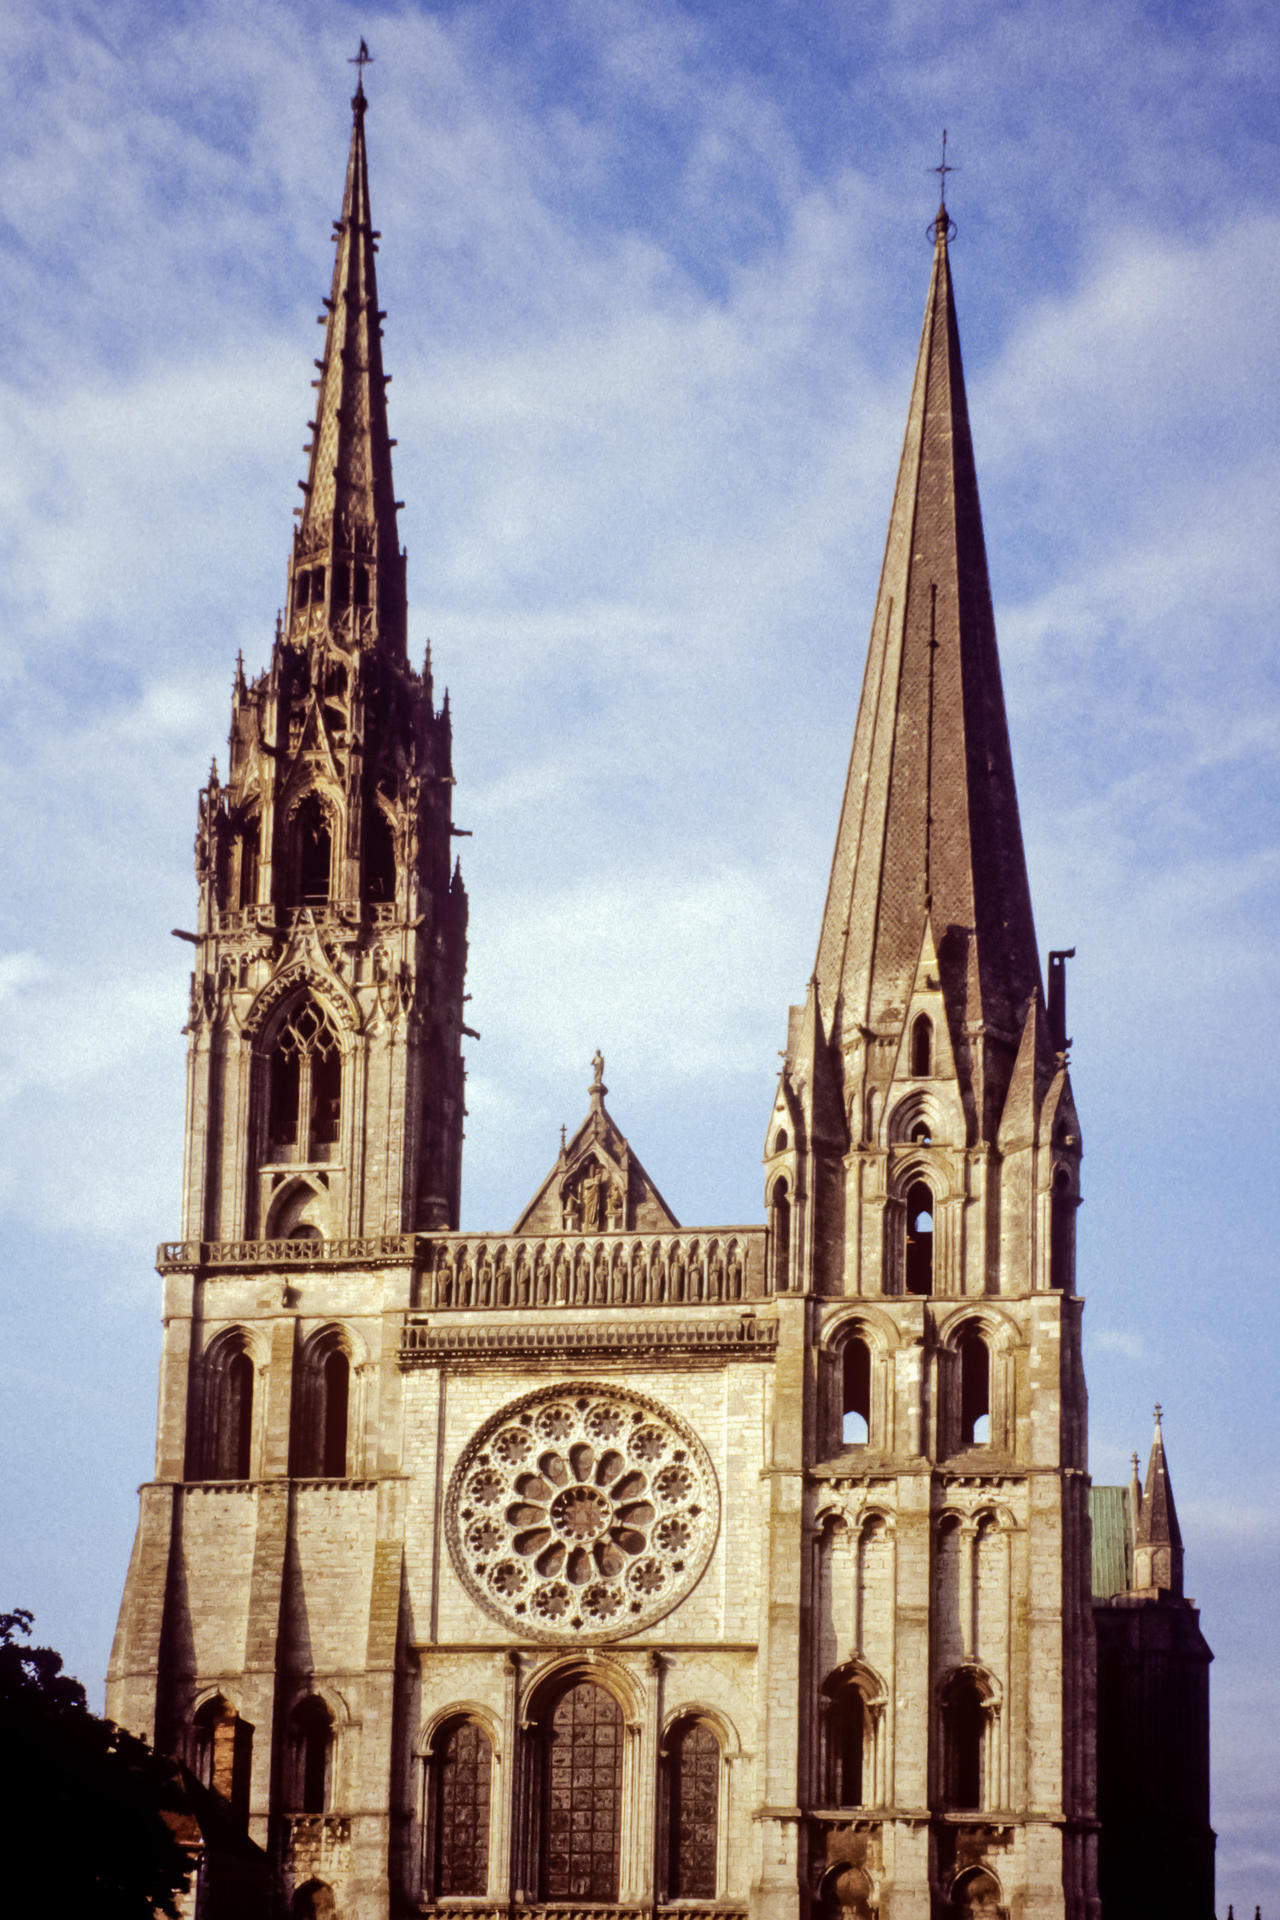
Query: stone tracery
(582,1511)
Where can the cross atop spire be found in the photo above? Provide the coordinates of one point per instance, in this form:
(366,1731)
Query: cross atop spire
(943,227)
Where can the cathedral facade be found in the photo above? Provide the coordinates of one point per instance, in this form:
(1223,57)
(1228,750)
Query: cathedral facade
(605,1564)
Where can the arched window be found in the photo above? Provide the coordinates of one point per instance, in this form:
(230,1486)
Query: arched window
(919,1249)
(855,1411)
(337,1392)
(313,852)
(1061,1231)
(379,855)
(304,1093)
(922,1046)
(248,842)
(693,1811)
(223,1752)
(964,1732)
(228,1423)
(310,1756)
(781,1237)
(320,1439)
(975,1389)
(581,1798)
(976,1892)
(848,1738)
(781,1143)
(456,1815)
(313,1900)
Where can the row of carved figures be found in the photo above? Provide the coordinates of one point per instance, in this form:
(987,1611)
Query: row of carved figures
(632,1273)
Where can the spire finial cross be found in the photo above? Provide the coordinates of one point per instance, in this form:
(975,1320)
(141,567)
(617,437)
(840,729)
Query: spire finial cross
(943,225)
(1159,1412)
(361,60)
(941,171)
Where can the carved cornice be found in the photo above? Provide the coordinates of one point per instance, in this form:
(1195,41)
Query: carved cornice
(744,1337)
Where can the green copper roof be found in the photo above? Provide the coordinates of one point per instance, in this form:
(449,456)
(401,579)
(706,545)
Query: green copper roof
(1112,1537)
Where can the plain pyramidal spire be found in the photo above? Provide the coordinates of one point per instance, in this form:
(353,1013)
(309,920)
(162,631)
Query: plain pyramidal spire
(929,827)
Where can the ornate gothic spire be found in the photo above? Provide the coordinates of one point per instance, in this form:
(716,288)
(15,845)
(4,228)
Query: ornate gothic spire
(348,570)
(929,826)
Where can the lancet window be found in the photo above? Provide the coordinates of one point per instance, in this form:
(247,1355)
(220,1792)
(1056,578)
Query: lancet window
(457,1789)
(781,1212)
(918,1273)
(305,1086)
(693,1811)
(922,1046)
(222,1752)
(311,1756)
(322,1411)
(580,1801)
(1061,1230)
(855,1375)
(848,1743)
(965,1732)
(975,1389)
(379,856)
(312,852)
(226,1448)
(248,841)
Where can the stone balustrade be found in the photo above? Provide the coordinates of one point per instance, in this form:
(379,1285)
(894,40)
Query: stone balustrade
(459,1271)
(580,1269)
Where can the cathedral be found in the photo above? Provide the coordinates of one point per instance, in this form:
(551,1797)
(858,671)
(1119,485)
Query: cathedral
(603,1565)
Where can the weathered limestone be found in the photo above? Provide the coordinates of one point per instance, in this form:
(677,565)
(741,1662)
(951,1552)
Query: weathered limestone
(605,1562)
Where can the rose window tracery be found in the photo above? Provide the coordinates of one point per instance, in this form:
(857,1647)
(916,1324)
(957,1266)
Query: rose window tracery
(582,1512)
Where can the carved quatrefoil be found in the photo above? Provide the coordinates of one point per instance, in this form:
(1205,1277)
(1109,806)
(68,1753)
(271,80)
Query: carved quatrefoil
(582,1512)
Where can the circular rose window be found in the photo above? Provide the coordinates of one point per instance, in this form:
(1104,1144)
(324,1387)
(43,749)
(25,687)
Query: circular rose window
(582,1512)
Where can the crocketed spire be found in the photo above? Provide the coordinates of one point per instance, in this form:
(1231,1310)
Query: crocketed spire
(348,522)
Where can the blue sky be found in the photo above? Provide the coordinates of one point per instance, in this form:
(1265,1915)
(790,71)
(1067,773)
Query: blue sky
(654,276)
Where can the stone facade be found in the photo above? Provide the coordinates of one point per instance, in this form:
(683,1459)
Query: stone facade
(609,1565)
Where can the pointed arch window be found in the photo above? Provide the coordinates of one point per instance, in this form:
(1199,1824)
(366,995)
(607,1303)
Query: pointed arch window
(919,1244)
(965,1724)
(848,1732)
(922,1047)
(855,1376)
(227,1449)
(1061,1232)
(248,844)
(311,1756)
(781,1210)
(304,1103)
(379,856)
(581,1795)
(457,1787)
(313,852)
(222,1755)
(975,1389)
(693,1811)
(322,1412)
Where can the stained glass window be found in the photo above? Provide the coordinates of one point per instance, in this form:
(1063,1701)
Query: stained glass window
(462,1774)
(582,1814)
(694,1785)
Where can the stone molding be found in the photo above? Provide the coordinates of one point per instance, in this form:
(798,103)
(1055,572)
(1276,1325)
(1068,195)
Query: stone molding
(426,1343)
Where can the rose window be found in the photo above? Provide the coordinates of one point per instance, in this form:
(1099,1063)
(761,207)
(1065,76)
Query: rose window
(583,1512)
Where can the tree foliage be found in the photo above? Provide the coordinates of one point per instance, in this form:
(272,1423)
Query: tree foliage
(84,1801)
